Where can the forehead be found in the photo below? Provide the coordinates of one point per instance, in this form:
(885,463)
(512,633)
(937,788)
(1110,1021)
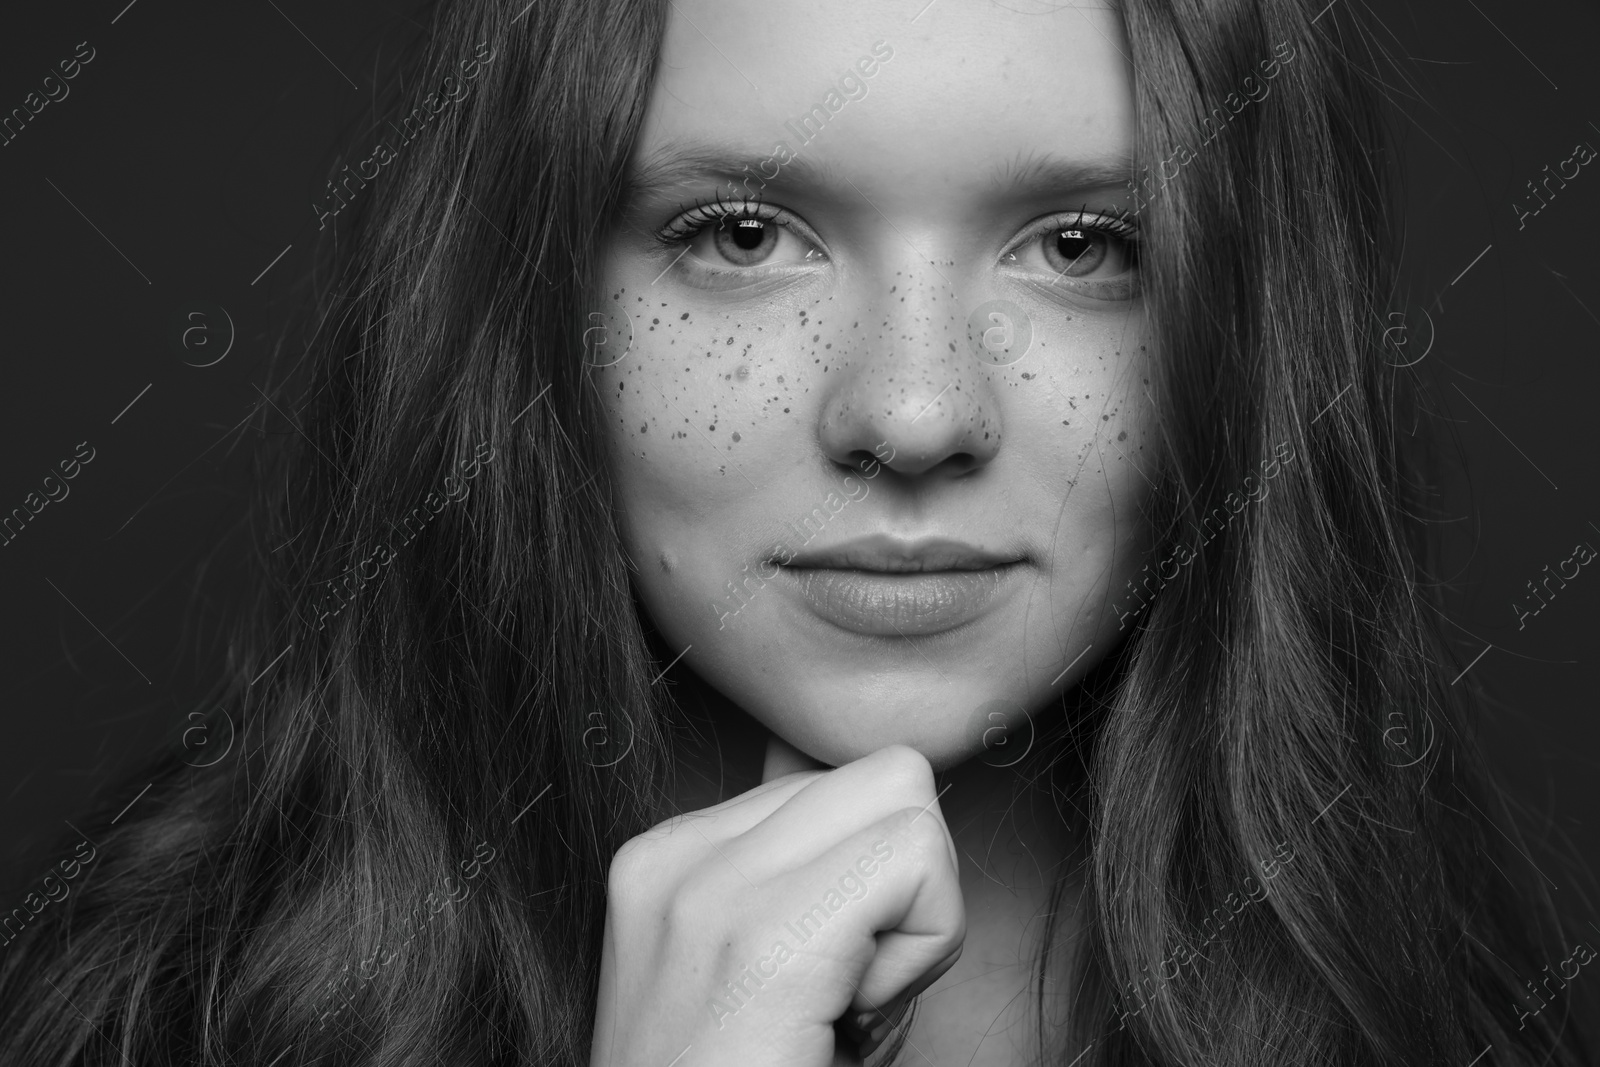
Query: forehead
(971,84)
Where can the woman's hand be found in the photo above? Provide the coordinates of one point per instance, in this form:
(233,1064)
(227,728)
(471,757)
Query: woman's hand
(738,934)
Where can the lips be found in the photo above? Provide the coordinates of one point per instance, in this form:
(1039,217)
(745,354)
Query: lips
(885,586)
(892,555)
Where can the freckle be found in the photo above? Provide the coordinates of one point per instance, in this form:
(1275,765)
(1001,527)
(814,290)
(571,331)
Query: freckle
(685,315)
(736,436)
(1123,436)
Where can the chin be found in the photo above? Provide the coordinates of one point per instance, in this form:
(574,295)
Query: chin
(967,727)
(942,757)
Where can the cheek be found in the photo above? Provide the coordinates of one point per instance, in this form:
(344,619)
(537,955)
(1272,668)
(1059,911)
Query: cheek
(1081,404)
(704,412)
(1081,417)
(699,392)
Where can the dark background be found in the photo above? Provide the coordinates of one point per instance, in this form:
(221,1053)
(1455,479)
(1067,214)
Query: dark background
(179,175)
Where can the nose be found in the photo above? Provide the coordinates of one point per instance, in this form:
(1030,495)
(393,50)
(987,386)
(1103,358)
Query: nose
(912,395)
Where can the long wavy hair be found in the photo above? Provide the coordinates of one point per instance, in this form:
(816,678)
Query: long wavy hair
(403,859)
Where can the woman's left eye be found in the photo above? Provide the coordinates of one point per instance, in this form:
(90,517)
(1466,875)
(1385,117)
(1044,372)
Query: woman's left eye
(1079,246)
(727,237)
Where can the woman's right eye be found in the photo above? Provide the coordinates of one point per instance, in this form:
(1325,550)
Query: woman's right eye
(732,238)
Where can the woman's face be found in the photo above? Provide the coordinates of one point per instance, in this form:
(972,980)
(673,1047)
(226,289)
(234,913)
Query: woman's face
(879,432)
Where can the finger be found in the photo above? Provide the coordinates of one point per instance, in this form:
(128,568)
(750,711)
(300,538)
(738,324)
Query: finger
(886,897)
(886,1010)
(804,813)
(783,758)
(842,801)
(904,967)
(868,1028)
(785,772)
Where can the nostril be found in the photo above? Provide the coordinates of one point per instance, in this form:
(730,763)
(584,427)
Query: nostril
(955,463)
(914,462)
(862,460)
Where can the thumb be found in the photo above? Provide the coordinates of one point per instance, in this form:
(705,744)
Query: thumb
(783,758)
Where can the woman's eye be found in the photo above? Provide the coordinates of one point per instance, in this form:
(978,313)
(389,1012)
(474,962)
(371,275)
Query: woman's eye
(1076,252)
(1090,249)
(740,236)
(744,242)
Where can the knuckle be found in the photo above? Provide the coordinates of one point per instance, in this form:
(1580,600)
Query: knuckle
(635,875)
(653,846)
(955,940)
(624,884)
(664,863)
(633,853)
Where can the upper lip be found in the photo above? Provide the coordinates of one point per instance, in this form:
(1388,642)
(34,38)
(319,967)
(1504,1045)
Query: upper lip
(882,552)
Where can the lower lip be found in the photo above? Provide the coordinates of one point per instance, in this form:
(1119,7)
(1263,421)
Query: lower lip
(899,605)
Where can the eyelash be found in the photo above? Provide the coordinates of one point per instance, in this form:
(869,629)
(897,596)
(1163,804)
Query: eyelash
(694,219)
(1083,219)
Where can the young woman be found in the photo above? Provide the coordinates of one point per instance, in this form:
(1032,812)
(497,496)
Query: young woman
(800,506)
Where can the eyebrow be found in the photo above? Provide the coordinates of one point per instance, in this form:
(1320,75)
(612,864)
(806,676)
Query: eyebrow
(681,163)
(678,164)
(1032,171)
